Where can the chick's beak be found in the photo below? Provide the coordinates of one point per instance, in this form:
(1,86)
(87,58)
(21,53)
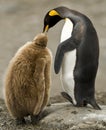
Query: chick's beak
(46,28)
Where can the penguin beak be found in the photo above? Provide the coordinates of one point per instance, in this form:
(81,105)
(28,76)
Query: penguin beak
(46,28)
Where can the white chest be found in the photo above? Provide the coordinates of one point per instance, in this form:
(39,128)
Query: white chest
(68,61)
(69,57)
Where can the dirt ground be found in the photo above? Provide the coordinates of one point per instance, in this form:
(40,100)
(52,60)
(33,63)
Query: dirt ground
(7,123)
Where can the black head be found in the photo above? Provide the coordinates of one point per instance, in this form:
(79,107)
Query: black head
(51,18)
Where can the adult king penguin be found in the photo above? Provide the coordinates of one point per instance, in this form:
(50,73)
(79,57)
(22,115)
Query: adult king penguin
(77,53)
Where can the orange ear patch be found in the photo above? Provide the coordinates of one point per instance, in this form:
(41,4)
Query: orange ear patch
(53,13)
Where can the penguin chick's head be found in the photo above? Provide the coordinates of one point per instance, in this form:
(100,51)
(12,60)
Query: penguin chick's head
(51,18)
(41,40)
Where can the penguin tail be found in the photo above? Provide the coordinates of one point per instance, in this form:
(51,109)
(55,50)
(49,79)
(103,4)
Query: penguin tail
(94,105)
(66,96)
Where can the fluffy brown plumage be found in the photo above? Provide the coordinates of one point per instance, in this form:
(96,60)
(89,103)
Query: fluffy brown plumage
(27,81)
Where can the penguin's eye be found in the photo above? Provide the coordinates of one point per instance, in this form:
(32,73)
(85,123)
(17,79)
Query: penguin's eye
(46,21)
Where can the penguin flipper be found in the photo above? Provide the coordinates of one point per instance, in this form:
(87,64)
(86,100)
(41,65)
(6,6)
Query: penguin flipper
(58,59)
(67,45)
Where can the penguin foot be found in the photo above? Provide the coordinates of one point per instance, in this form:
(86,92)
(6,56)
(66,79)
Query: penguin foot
(84,103)
(66,96)
(20,121)
(36,118)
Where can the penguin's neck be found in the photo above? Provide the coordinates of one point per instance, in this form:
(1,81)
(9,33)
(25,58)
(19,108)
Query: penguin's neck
(67,30)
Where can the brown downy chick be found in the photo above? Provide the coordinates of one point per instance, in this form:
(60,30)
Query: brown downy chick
(27,81)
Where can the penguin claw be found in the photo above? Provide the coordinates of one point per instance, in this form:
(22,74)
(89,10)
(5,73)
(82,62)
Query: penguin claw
(66,96)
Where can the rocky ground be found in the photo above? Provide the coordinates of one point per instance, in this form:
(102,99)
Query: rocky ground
(62,116)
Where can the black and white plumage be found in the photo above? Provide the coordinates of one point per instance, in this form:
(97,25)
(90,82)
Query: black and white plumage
(83,44)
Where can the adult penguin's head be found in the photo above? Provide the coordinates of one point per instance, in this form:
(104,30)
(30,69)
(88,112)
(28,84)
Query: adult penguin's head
(51,18)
